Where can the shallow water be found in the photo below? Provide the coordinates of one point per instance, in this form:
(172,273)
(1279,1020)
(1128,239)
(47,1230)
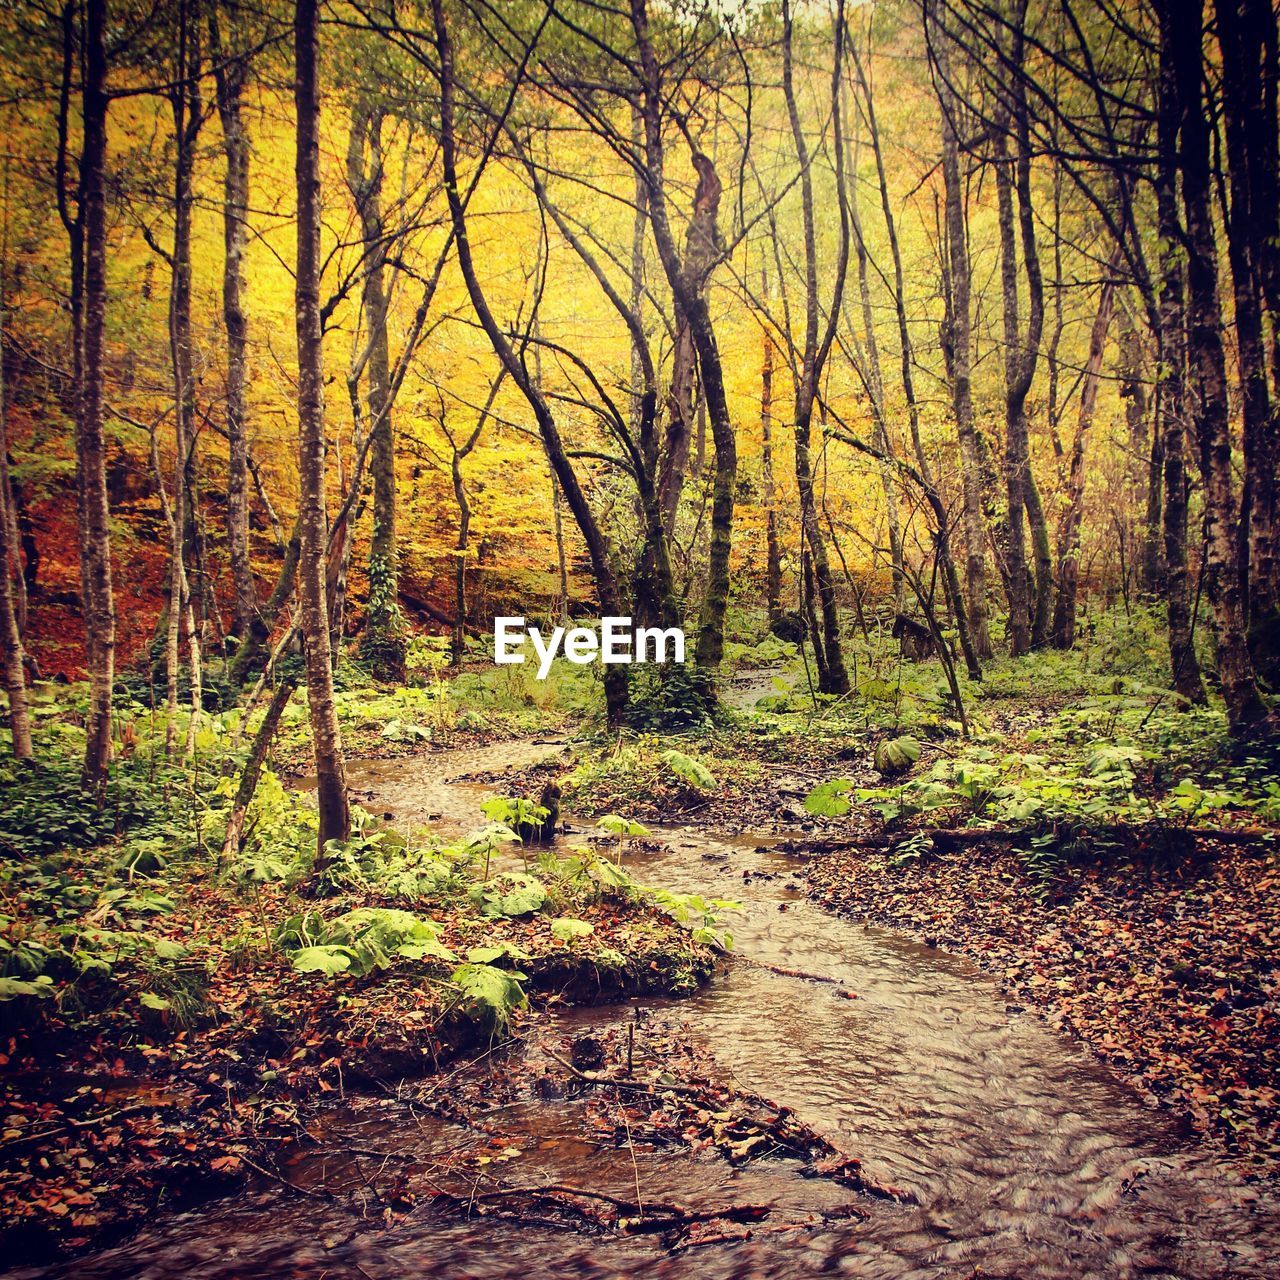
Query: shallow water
(1026,1157)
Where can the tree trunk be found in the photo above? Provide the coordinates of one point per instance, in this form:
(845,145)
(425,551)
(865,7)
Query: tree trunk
(942,520)
(15,674)
(689,289)
(1064,611)
(1247,35)
(253,768)
(229,74)
(1171,426)
(773,554)
(187,117)
(615,678)
(1028,615)
(384,638)
(875,390)
(331,786)
(91,460)
(1206,359)
(958,348)
(816,348)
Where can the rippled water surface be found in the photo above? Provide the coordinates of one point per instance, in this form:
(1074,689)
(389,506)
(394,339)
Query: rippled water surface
(1027,1159)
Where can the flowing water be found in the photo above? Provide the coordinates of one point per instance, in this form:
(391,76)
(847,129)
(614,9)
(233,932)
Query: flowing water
(1026,1158)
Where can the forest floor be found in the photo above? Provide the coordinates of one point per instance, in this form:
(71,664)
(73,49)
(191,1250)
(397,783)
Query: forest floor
(180,1050)
(170,1028)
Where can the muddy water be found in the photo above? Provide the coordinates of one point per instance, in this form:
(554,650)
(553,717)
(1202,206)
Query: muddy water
(1026,1158)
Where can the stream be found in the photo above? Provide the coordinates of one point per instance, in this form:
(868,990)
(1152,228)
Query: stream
(1026,1158)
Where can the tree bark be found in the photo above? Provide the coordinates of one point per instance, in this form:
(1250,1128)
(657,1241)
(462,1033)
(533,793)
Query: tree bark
(1064,611)
(1171,426)
(942,520)
(1247,35)
(15,673)
(773,554)
(384,634)
(875,390)
(1028,616)
(460,454)
(331,787)
(91,460)
(1235,666)
(187,111)
(817,346)
(229,78)
(958,347)
(253,767)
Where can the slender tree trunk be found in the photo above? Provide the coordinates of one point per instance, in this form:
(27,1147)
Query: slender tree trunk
(229,74)
(958,347)
(687,281)
(253,768)
(458,647)
(187,116)
(615,679)
(253,646)
(1247,35)
(773,554)
(384,634)
(1171,425)
(817,346)
(562,562)
(942,520)
(331,786)
(875,389)
(460,454)
(1064,611)
(1146,452)
(808,592)
(91,458)
(1028,615)
(1235,666)
(15,674)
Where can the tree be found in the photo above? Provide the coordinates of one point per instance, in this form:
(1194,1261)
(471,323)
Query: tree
(15,674)
(331,786)
(230,70)
(615,681)
(1171,423)
(1028,618)
(957,345)
(89,238)
(687,279)
(816,346)
(1064,609)
(1204,329)
(384,634)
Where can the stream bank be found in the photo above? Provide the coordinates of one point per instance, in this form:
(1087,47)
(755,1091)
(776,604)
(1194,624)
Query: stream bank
(175,1051)
(1165,969)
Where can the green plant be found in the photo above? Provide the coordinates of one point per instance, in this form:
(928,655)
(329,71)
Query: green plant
(360,941)
(829,799)
(489,993)
(671,698)
(690,771)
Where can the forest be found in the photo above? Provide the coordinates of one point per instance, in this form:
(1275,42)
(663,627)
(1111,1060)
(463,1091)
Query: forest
(640,637)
